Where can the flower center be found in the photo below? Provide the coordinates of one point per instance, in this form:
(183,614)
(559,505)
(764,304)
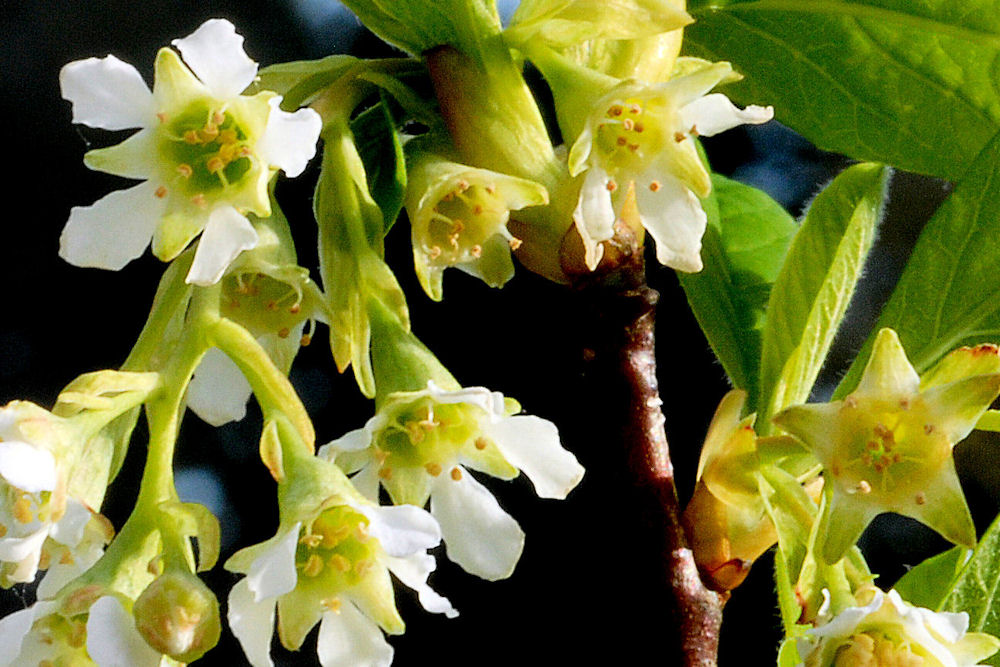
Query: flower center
(462,221)
(630,134)
(336,551)
(431,436)
(888,448)
(262,304)
(208,148)
(874,650)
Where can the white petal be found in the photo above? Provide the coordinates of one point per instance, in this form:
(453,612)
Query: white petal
(352,441)
(413,571)
(366,482)
(532,444)
(674,218)
(478,535)
(348,638)
(13,628)
(227,234)
(252,623)
(112,638)
(69,529)
(27,467)
(289,140)
(107,93)
(273,572)
(59,574)
(594,215)
(114,230)
(25,551)
(218,392)
(214,52)
(401,529)
(714,113)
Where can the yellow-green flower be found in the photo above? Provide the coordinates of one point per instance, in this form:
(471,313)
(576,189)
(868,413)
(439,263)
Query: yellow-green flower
(887,447)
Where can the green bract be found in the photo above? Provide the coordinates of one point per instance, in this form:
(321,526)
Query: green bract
(887,446)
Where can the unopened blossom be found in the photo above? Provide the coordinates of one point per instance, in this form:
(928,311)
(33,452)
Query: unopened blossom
(885,630)
(204,152)
(458,216)
(420,445)
(887,447)
(333,568)
(642,135)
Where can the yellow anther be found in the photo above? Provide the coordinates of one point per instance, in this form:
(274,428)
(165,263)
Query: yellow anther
(453,240)
(185,170)
(162,116)
(621,140)
(283,332)
(311,540)
(216,164)
(3,530)
(435,252)
(67,558)
(340,563)
(639,127)
(198,200)
(655,186)
(294,308)
(161,192)
(385,472)
(491,189)
(477,209)
(864,487)
(22,510)
(693,131)
(515,243)
(628,124)
(611,186)
(928,428)
(482,443)
(362,566)
(313,566)
(332,604)
(476,251)
(633,147)
(634,108)
(305,340)
(463,185)
(433,469)
(456,473)
(457,226)
(191,137)
(44,559)
(208,134)
(920,499)
(218,118)
(679,137)
(615,110)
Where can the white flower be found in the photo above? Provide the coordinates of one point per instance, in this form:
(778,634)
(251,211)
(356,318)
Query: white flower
(204,152)
(885,630)
(418,446)
(641,134)
(33,501)
(334,570)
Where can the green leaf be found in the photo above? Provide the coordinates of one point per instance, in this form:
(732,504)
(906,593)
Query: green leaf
(745,243)
(907,83)
(815,285)
(942,300)
(381,152)
(927,584)
(977,589)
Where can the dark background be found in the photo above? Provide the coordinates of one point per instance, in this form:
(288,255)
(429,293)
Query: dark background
(582,587)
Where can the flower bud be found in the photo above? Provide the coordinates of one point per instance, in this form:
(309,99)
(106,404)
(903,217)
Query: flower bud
(179,616)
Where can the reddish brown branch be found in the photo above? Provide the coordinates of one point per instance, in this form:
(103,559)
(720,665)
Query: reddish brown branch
(698,610)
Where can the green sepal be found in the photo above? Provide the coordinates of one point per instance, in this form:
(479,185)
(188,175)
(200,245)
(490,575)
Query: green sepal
(381,151)
(195,520)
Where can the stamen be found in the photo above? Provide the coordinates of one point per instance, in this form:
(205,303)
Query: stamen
(491,189)
(216,164)
(162,116)
(283,333)
(628,124)
(433,469)
(22,510)
(639,127)
(622,140)
(476,251)
(191,137)
(456,473)
(655,186)
(161,192)
(515,243)
(218,118)
(435,252)
(920,499)
(679,137)
(928,428)
(463,185)
(185,170)
(385,472)
(611,186)
(332,604)
(615,110)
(482,443)
(198,200)
(313,566)
(634,108)
(340,563)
